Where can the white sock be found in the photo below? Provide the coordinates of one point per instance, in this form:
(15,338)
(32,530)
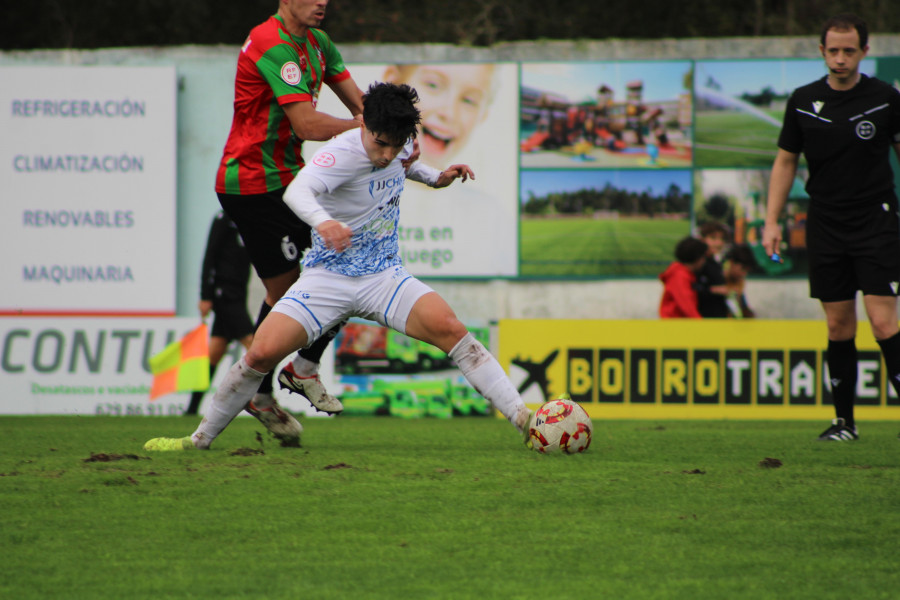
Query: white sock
(263,401)
(233,394)
(304,367)
(486,375)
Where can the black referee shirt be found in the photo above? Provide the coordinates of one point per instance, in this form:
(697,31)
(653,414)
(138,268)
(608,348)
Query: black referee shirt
(846,138)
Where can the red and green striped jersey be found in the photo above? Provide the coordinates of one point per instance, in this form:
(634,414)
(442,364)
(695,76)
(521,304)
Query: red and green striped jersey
(274,68)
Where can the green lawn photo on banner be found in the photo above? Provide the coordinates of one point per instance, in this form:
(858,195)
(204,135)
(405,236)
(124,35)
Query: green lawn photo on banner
(596,224)
(739,107)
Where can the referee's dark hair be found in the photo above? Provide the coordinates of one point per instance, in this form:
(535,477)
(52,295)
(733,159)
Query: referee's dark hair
(846,22)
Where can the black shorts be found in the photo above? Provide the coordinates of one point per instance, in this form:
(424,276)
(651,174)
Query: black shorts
(856,249)
(231,320)
(274,236)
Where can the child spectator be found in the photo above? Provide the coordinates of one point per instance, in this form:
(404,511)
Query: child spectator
(679,298)
(739,262)
(712,292)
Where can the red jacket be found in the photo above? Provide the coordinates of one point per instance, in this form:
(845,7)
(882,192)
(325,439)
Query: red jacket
(679,299)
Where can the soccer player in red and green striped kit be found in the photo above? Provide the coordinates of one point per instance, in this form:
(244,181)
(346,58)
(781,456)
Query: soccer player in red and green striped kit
(280,71)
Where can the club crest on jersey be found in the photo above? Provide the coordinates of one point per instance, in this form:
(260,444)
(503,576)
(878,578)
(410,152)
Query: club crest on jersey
(290,72)
(865,130)
(817,106)
(325,159)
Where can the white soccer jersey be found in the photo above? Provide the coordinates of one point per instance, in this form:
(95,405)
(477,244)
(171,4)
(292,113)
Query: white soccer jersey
(364,197)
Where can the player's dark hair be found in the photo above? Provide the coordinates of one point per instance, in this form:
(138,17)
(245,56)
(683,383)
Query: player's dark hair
(847,22)
(742,255)
(389,110)
(712,227)
(689,250)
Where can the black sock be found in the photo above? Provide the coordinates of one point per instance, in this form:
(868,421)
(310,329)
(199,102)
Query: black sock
(196,399)
(842,368)
(314,352)
(266,386)
(890,350)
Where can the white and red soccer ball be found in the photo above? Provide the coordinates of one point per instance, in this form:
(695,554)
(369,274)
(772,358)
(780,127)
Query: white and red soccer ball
(560,425)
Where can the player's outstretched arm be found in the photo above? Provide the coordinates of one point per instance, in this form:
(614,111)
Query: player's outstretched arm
(452,173)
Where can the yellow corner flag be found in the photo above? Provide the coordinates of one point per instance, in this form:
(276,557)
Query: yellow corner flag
(183,365)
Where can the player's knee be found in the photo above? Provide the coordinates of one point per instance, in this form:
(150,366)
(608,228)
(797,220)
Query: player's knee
(453,328)
(261,358)
(884,329)
(841,327)
(447,331)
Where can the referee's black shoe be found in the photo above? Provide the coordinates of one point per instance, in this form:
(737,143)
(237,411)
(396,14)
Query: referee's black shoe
(839,432)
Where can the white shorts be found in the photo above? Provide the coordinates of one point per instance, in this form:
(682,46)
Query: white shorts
(321,299)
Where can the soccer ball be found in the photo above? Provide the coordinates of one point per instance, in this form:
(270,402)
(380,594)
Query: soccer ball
(561,424)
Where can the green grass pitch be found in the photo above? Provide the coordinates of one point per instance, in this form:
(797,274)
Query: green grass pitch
(458,508)
(586,247)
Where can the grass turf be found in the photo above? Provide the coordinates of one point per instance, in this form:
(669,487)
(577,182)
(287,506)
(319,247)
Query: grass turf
(391,508)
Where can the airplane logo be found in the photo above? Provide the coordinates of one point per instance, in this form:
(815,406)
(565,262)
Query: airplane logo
(537,373)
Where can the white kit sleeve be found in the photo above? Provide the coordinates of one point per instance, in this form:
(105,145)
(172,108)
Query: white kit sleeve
(423,173)
(300,196)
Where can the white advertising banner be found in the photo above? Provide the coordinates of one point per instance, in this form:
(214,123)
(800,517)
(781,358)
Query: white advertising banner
(87,190)
(469,116)
(85,366)
(99,366)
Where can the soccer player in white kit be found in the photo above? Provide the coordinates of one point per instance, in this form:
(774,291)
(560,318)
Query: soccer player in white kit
(349,194)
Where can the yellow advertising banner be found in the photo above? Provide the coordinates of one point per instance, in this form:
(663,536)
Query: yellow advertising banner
(689,369)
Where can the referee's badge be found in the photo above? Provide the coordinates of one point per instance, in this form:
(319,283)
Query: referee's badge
(865,130)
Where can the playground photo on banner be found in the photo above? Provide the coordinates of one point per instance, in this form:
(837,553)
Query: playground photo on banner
(606,114)
(602,223)
(736,198)
(740,106)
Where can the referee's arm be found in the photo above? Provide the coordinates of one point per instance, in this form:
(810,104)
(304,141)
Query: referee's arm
(783,172)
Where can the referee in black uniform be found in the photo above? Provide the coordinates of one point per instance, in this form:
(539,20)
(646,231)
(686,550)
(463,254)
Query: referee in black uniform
(223,290)
(845,125)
